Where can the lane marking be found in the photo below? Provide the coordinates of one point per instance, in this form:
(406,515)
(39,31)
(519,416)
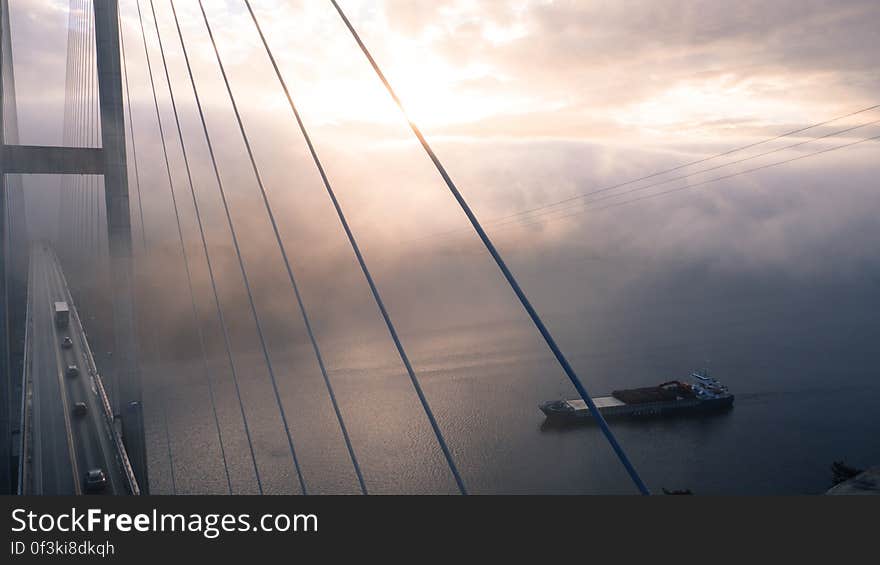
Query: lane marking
(64,401)
(109,460)
(50,413)
(36,399)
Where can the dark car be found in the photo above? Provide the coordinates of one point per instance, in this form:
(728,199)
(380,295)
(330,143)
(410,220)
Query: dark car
(96,480)
(72,371)
(80,409)
(66,343)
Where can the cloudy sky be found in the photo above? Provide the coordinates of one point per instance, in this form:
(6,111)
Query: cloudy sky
(533,106)
(529,103)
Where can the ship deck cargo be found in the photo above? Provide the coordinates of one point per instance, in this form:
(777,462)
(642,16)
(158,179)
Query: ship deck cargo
(673,397)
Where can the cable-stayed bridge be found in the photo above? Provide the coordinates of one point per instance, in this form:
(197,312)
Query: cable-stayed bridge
(52,444)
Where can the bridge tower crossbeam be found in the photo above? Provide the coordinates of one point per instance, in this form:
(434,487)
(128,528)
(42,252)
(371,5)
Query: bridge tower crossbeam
(110,161)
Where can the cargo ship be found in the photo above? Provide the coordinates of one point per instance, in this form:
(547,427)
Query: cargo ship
(702,394)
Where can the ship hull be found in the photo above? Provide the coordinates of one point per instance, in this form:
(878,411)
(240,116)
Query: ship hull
(643,410)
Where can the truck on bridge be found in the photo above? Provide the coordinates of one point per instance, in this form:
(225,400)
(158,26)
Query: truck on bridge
(62,314)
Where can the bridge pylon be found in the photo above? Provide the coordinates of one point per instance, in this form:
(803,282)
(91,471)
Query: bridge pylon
(110,161)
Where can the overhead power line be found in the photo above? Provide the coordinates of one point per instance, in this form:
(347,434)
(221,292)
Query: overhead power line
(762,167)
(565,203)
(551,215)
(694,185)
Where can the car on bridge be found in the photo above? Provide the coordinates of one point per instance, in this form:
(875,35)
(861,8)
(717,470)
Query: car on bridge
(95,480)
(66,343)
(80,409)
(72,371)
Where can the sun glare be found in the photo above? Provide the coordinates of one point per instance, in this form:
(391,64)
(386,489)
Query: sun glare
(697,105)
(434,95)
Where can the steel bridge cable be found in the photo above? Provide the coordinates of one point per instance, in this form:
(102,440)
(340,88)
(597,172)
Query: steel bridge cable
(184,254)
(170,184)
(202,234)
(95,189)
(68,72)
(88,225)
(308,325)
(98,270)
(97,142)
(83,135)
(356,248)
(98,182)
(76,90)
(67,195)
(166,430)
(80,221)
(137,176)
(223,325)
(90,137)
(66,123)
(527,305)
(501,220)
(87,131)
(83,142)
(295,287)
(246,280)
(74,135)
(163,386)
(64,139)
(67,181)
(196,316)
(145,329)
(81,121)
(56,239)
(77,218)
(88,211)
(84,224)
(139,280)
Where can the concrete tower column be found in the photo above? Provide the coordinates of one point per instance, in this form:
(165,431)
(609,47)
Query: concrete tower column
(125,371)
